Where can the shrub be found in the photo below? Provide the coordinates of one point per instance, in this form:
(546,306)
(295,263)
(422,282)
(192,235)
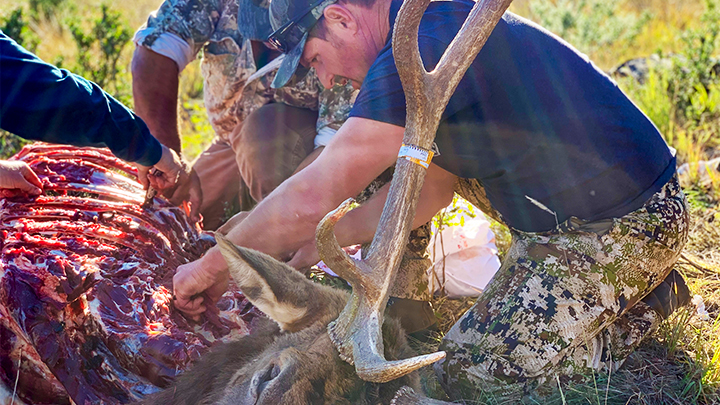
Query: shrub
(99,52)
(588,25)
(693,80)
(16,27)
(45,8)
(10,144)
(683,100)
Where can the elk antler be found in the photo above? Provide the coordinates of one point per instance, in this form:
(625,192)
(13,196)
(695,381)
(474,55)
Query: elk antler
(357,331)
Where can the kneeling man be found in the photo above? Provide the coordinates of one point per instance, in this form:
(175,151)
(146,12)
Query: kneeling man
(537,136)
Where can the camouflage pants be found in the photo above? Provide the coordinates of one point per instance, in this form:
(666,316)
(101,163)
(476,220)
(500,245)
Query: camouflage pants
(566,301)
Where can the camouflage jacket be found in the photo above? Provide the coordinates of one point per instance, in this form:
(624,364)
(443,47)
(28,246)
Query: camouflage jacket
(234,87)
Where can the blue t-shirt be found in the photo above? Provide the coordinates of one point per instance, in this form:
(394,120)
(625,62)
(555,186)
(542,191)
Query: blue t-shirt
(532,117)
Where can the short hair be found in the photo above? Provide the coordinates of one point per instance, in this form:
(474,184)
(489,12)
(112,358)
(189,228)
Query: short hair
(319,30)
(361,3)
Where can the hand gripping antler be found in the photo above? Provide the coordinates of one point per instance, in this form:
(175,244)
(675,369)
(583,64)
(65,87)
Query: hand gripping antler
(357,331)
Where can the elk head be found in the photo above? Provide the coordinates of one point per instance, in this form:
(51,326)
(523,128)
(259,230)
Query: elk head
(288,358)
(357,331)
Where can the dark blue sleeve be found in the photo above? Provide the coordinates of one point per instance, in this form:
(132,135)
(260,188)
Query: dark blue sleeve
(38,101)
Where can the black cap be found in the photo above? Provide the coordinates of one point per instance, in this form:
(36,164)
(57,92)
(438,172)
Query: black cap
(292,20)
(253,19)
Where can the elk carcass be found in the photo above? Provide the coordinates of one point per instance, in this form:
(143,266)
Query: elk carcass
(85,285)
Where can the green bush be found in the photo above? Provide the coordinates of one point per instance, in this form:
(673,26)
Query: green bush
(692,80)
(45,8)
(99,51)
(588,25)
(10,144)
(683,100)
(16,27)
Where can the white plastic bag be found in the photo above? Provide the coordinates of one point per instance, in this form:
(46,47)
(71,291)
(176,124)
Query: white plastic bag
(463,253)
(354,251)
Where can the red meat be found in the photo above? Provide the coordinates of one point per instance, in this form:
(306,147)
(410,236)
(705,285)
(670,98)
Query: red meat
(85,285)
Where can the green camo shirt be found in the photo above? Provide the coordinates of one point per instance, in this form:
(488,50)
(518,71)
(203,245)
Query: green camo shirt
(234,87)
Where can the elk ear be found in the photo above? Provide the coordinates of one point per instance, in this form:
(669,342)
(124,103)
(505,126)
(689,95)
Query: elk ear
(278,290)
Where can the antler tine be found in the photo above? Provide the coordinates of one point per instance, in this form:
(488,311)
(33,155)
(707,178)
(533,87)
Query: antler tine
(357,331)
(328,247)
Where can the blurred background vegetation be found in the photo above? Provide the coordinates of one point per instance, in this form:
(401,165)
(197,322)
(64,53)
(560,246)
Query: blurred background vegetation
(672,77)
(94,39)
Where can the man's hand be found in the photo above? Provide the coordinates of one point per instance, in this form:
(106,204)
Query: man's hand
(208,275)
(175,180)
(170,164)
(188,189)
(17,178)
(306,257)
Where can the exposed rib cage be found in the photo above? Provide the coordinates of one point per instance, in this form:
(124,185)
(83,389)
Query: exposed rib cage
(85,285)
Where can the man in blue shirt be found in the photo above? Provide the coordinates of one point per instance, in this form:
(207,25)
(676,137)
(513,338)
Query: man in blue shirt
(535,135)
(41,102)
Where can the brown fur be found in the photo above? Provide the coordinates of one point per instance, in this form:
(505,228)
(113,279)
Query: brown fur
(298,366)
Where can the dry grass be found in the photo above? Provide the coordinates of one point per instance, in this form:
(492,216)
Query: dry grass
(670,18)
(57,41)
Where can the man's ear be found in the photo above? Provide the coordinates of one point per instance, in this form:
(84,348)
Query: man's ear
(339,17)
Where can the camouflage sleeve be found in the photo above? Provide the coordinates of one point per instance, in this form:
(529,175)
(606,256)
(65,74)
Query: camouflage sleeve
(194,21)
(301,93)
(334,106)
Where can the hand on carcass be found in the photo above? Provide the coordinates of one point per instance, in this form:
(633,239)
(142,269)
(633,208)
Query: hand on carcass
(17,178)
(193,283)
(188,189)
(174,179)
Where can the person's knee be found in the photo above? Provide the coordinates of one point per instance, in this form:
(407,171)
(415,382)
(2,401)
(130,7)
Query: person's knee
(260,124)
(464,373)
(276,121)
(270,144)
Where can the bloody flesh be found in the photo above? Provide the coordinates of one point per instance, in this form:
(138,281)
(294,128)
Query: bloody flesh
(86,285)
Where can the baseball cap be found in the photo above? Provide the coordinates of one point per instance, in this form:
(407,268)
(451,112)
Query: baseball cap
(292,20)
(253,19)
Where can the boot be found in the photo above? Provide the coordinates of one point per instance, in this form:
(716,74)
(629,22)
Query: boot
(670,295)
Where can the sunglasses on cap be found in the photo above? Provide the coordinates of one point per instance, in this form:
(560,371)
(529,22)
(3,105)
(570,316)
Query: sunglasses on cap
(289,35)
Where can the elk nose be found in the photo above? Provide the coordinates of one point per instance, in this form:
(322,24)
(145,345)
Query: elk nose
(263,378)
(271,382)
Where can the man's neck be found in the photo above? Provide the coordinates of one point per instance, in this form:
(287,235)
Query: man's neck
(376,22)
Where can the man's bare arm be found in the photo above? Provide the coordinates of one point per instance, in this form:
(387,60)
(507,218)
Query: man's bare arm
(155,92)
(286,219)
(360,224)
